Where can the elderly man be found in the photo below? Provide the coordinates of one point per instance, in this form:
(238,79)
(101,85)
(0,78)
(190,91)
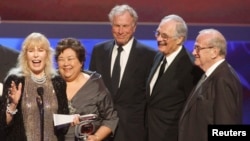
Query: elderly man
(217,98)
(171,80)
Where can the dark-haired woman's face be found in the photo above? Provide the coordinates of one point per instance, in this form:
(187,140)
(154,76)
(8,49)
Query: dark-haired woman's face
(69,65)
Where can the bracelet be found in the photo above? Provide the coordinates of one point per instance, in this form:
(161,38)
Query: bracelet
(9,111)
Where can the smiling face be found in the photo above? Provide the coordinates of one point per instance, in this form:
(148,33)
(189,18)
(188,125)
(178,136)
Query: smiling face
(206,52)
(69,65)
(36,59)
(123,28)
(166,37)
(36,56)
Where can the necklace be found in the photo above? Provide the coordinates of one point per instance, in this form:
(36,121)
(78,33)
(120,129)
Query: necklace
(38,80)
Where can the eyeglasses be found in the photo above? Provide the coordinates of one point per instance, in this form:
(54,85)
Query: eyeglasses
(164,36)
(198,48)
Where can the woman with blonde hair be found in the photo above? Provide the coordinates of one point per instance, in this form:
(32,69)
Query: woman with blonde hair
(32,93)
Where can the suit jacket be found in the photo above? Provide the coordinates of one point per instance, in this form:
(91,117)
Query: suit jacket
(217,101)
(166,101)
(7,61)
(129,101)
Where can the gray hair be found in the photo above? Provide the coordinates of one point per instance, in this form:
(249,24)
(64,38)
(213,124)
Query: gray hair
(181,26)
(121,9)
(216,40)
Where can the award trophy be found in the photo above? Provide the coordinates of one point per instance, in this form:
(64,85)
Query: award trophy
(85,127)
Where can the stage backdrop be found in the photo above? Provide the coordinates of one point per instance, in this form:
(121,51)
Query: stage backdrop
(193,11)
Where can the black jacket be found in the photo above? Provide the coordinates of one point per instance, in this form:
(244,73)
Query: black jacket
(130,100)
(15,130)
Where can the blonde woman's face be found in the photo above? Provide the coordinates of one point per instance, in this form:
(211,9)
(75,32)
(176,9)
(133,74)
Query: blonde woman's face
(36,58)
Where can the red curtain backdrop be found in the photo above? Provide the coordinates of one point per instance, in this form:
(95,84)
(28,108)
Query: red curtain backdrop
(193,11)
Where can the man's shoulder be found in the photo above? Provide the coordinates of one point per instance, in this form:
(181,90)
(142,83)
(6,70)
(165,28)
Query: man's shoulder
(142,45)
(104,43)
(145,48)
(7,50)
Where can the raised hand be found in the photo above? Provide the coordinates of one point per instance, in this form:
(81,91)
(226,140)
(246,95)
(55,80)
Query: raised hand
(15,92)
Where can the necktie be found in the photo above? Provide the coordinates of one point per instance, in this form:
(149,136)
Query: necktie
(116,71)
(203,78)
(162,68)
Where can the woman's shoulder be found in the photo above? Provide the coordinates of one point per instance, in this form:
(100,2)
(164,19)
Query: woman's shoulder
(93,74)
(57,78)
(14,74)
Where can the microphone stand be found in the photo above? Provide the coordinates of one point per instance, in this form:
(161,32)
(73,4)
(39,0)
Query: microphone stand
(40,104)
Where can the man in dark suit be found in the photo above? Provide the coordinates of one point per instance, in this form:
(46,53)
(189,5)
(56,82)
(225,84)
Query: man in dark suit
(7,61)
(135,62)
(218,98)
(167,93)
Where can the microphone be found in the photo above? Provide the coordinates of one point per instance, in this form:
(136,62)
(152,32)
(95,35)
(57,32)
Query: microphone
(40,104)
(40,91)
(39,99)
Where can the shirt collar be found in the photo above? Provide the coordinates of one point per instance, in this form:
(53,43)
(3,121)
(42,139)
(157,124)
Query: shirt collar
(127,47)
(172,56)
(213,67)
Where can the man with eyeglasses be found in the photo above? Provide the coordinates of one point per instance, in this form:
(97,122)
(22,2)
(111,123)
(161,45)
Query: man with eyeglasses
(218,99)
(171,80)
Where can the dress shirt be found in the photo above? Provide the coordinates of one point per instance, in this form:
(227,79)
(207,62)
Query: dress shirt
(170,58)
(123,58)
(213,67)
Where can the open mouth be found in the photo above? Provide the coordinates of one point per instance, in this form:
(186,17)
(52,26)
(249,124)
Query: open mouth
(36,62)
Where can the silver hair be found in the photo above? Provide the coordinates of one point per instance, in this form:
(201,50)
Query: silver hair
(216,40)
(121,9)
(181,27)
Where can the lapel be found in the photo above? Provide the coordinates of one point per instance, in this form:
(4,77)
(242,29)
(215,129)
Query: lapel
(108,48)
(172,69)
(157,61)
(199,93)
(130,66)
(155,65)
(194,95)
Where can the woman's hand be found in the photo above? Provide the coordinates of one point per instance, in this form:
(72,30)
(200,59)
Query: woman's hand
(76,120)
(100,134)
(14,97)
(15,93)
(93,138)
